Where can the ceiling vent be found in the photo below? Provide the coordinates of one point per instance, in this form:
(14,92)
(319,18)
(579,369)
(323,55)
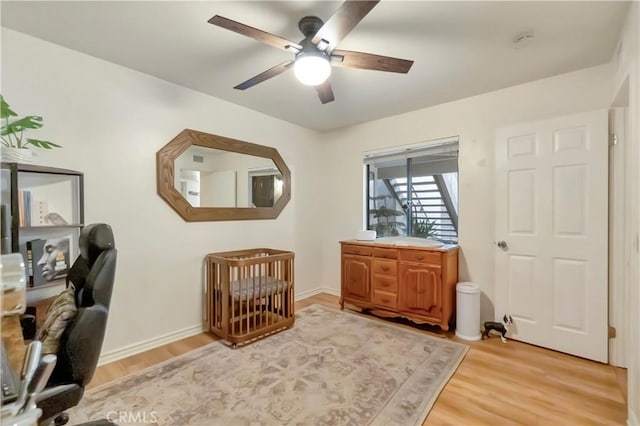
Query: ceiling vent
(198,159)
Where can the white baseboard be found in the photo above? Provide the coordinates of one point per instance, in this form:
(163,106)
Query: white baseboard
(145,345)
(632,420)
(309,293)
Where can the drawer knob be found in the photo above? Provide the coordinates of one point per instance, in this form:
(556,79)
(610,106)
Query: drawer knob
(385,268)
(420,257)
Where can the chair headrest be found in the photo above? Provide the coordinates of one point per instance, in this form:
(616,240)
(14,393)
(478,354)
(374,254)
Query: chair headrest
(94,239)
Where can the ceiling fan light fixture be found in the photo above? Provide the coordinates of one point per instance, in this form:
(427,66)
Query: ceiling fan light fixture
(312,69)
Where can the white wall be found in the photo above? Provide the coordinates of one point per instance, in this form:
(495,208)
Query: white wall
(111,121)
(475,120)
(626,93)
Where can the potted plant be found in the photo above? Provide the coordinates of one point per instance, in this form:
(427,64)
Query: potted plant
(424,228)
(15,145)
(386,223)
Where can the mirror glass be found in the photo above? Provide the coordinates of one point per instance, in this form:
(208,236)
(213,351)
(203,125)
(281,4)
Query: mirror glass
(205,177)
(208,177)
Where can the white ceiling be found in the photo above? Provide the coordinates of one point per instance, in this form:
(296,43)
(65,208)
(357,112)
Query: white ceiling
(460,49)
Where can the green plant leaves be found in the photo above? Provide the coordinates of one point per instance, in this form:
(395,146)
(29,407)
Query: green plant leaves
(5,109)
(425,228)
(29,122)
(42,144)
(12,132)
(386,212)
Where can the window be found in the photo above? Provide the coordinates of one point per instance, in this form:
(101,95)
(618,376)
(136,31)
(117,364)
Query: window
(414,192)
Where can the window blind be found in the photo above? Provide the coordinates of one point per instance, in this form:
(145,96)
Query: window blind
(444,148)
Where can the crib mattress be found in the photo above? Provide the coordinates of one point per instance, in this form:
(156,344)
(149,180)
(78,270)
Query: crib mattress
(257,287)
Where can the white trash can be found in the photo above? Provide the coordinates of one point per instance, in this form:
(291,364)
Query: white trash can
(468,311)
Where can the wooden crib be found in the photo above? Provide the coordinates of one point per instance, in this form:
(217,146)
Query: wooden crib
(249,293)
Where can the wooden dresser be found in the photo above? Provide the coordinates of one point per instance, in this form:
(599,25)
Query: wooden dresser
(417,283)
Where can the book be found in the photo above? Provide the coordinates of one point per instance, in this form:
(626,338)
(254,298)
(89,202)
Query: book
(50,259)
(29,264)
(27,207)
(21,207)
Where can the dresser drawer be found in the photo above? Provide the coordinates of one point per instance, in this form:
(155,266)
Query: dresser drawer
(385,283)
(385,253)
(386,267)
(432,258)
(358,250)
(387,300)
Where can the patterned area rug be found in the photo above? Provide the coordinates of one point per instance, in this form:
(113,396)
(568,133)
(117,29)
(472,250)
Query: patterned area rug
(332,368)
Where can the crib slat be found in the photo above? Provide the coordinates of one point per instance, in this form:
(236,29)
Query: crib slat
(256,272)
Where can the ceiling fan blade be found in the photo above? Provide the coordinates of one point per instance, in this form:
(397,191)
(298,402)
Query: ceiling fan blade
(262,36)
(325,92)
(266,75)
(342,22)
(369,61)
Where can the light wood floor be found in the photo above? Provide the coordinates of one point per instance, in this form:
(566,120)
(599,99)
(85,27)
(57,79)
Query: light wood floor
(496,384)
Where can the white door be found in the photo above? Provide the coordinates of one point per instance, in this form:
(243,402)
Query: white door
(551,213)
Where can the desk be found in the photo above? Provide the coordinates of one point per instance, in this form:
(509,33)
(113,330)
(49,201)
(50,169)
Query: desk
(11,329)
(17,409)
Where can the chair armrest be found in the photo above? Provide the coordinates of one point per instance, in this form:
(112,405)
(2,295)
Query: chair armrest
(56,399)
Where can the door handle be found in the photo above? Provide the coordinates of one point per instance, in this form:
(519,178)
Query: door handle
(502,244)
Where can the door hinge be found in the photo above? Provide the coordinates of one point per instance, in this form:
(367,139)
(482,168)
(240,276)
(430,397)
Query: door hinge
(613,139)
(612,332)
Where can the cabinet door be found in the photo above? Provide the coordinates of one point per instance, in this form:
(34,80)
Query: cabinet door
(356,273)
(420,290)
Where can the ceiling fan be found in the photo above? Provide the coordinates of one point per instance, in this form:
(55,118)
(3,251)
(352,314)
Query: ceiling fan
(316,53)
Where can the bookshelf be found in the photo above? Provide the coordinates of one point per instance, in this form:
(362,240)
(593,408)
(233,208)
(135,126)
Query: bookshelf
(42,213)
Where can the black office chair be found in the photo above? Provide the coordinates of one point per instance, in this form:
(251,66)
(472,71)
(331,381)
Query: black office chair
(93,275)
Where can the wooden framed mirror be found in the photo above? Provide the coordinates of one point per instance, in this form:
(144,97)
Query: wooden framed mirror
(206,177)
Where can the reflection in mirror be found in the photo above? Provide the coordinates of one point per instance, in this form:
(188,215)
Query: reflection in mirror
(265,187)
(208,177)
